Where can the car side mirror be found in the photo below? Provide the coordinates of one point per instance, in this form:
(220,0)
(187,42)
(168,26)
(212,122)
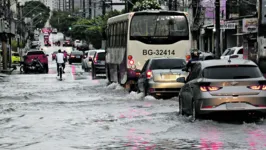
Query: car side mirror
(181,79)
(90,59)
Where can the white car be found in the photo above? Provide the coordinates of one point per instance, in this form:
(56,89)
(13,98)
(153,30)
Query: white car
(234,52)
(86,64)
(77,43)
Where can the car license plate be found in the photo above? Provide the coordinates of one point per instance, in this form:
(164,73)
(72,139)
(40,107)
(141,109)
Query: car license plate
(103,62)
(78,56)
(232,106)
(169,76)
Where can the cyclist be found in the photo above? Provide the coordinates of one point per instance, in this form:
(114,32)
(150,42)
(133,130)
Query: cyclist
(60,59)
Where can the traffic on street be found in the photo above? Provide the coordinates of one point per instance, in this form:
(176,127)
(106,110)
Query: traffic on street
(130,79)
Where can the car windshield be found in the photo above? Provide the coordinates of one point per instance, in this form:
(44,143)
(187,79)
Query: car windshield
(168,64)
(35,53)
(231,52)
(92,53)
(232,72)
(226,52)
(101,56)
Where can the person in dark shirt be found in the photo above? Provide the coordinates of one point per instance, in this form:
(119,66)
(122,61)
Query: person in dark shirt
(195,56)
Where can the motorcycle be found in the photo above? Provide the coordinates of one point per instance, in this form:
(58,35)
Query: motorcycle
(34,66)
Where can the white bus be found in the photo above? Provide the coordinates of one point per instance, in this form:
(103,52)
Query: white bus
(135,37)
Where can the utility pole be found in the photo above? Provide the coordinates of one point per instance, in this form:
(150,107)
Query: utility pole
(59,5)
(10,43)
(84,10)
(103,7)
(64,2)
(73,6)
(94,9)
(217,28)
(90,9)
(170,4)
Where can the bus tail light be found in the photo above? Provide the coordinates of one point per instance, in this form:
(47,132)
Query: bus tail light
(149,74)
(130,57)
(131,62)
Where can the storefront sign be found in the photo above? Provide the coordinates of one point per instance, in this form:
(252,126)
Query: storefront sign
(228,26)
(250,25)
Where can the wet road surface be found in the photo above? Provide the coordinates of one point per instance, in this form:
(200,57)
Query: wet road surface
(38,112)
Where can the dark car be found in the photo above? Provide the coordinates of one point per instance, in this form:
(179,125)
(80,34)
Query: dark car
(98,64)
(75,57)
(67,43)
(40,55)
(223,86)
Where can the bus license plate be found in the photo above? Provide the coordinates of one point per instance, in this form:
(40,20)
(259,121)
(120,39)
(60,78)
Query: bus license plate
(158,52)
(78,56)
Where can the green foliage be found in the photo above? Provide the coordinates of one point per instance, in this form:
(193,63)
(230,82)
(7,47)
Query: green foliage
(146,5)
(14,45)
(62,21)
(92,30)
(32,8)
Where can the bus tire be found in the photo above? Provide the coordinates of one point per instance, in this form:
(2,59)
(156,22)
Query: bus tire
(118,75)
(108,74)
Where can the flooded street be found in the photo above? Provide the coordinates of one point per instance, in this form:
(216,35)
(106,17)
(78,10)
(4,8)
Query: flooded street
(38,112)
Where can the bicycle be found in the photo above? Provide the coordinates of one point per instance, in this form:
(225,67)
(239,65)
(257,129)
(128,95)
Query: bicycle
(60,71)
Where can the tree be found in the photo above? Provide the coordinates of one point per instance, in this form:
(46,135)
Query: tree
(146,5)
(34,8)
(62,21)
(92,30)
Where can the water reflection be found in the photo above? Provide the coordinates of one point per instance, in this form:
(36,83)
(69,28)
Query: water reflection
(210,139)
(256,139)
(139,141)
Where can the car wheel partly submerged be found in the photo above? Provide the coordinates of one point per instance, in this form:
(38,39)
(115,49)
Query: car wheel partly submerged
(194,112)
(181,112)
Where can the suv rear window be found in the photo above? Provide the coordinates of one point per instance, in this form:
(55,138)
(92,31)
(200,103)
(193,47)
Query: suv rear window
(168,64)
(232,72)
(35,53)
(101,56)
(92,52)
(77,53)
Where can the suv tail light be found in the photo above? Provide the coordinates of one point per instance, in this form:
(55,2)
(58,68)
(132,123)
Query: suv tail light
(209,88)
(257,87)
(149,74)
(96,58)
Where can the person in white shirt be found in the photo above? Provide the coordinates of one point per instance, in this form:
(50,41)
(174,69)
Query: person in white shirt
(60,59)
